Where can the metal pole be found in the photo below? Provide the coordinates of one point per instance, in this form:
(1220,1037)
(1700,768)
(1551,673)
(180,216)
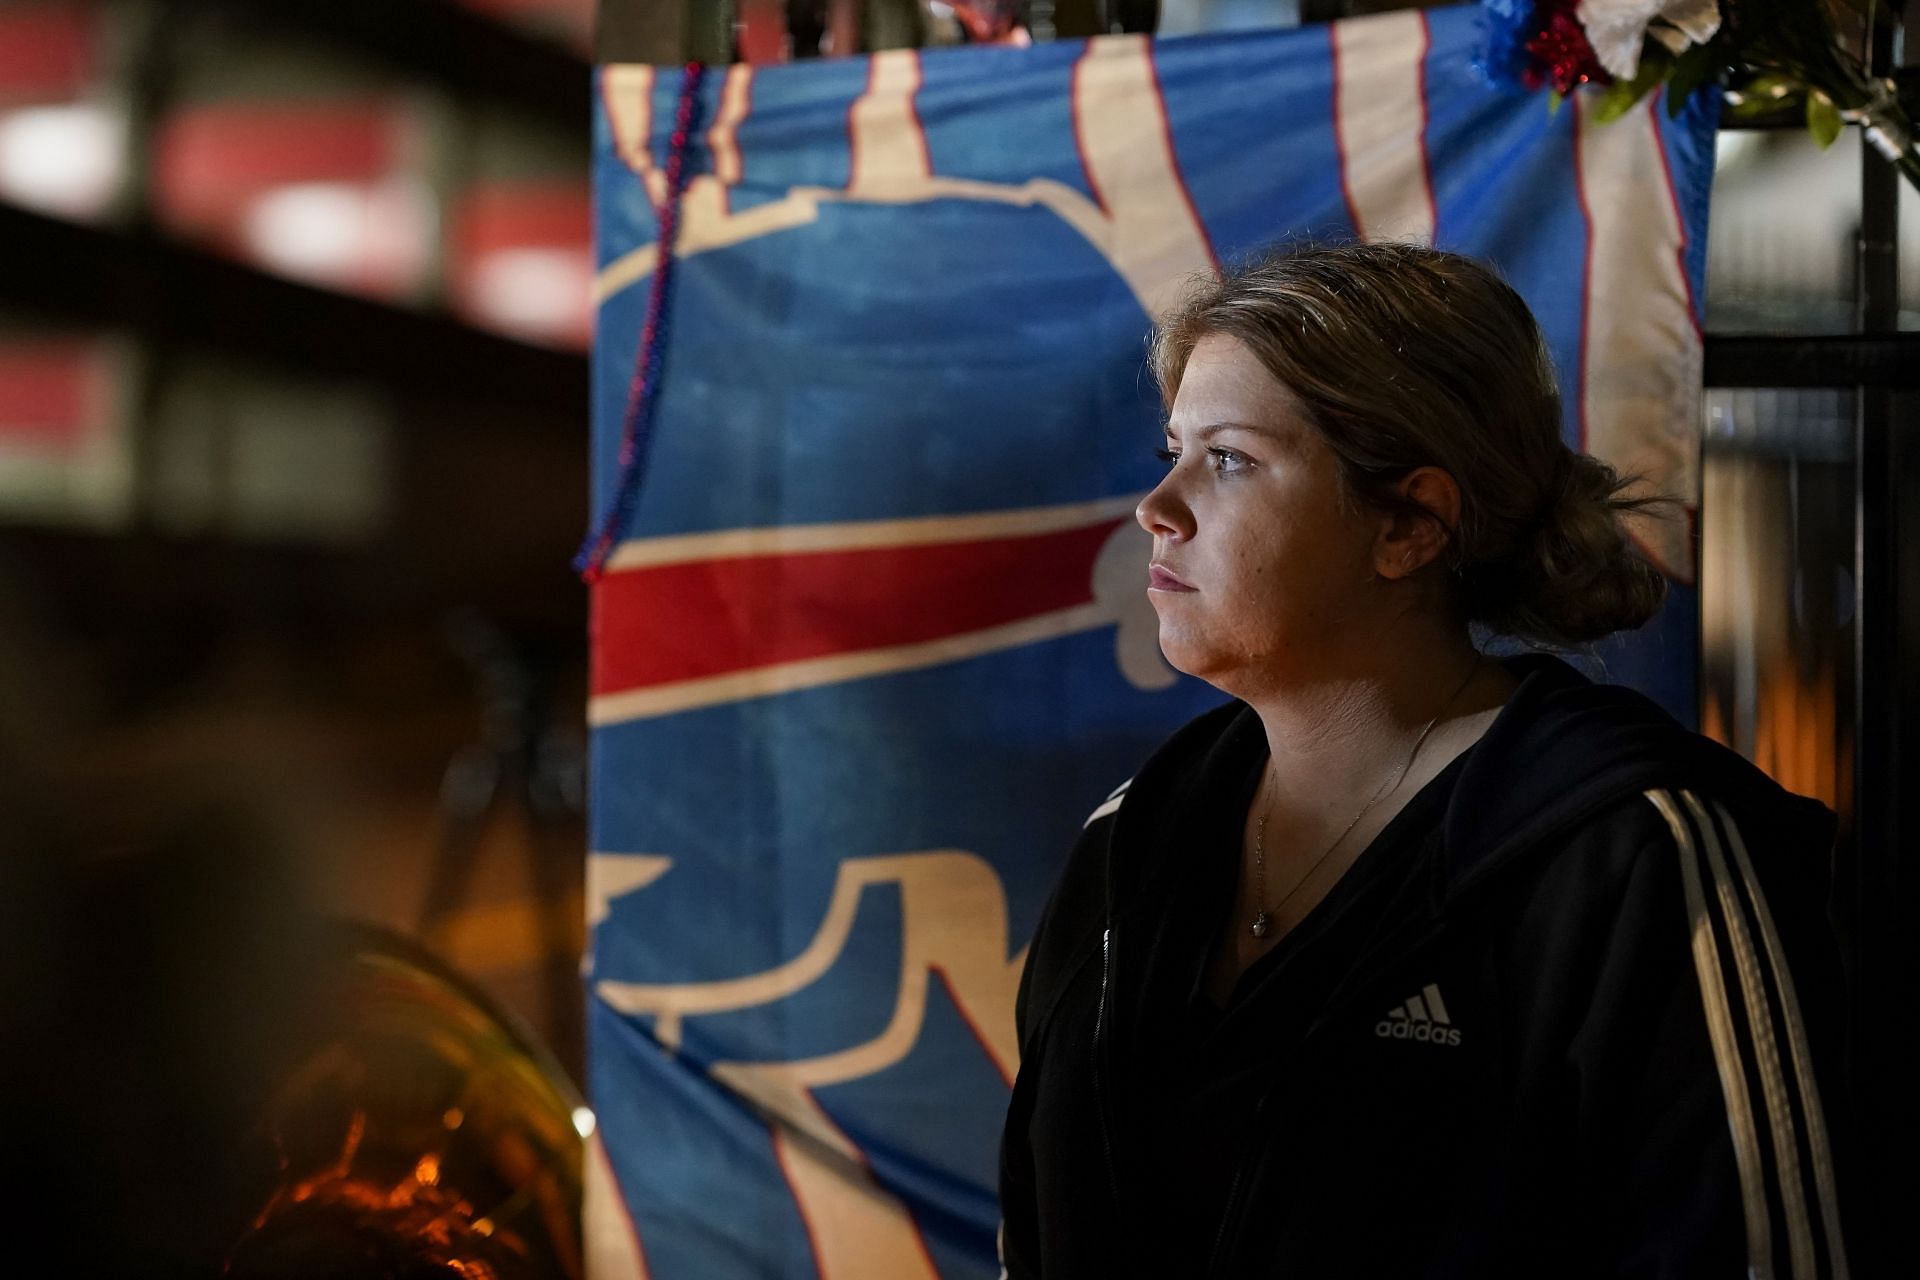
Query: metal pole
(1875,886)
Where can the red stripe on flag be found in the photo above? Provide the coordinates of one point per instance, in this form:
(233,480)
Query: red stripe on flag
(696,619)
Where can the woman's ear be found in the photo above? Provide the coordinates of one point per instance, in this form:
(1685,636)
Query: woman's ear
(1409,539)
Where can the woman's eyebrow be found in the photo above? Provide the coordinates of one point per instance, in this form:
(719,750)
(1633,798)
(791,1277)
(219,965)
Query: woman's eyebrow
(1213,428)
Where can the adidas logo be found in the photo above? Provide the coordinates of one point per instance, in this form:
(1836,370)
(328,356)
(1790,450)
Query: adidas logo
(1422,1017)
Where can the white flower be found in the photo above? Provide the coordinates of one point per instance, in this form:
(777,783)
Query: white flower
(1617,29)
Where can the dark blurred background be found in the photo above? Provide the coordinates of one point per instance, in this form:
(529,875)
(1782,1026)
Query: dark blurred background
(294,310)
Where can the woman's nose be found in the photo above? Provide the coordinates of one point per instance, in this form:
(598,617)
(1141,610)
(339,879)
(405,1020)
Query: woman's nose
(1163,514)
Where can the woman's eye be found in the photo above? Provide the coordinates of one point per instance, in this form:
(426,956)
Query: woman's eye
(1227,459)
(1168,456)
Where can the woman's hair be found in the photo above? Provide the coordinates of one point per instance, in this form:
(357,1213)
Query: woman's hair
(1405,357)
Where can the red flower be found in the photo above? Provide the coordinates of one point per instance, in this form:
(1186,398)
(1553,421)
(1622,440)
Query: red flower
(1562,56)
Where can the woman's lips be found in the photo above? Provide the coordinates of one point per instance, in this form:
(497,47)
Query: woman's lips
(1160,579)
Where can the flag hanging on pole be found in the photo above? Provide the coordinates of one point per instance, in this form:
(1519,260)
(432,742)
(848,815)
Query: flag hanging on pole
(875,640)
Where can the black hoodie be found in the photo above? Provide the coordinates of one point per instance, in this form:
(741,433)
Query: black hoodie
(1579,1022)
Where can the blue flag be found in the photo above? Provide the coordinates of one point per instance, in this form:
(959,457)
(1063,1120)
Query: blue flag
(877,641)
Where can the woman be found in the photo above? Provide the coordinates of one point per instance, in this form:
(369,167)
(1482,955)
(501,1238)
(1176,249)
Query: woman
(1410,961)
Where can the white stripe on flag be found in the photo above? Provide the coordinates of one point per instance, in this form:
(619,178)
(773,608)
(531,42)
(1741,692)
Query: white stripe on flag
(734,95)
(1638,390)
(889,149)
(708,199)
(626,95)
(954,914)
(1380,116)
(1152,234)
(615,875)
(1142,222)
(856,1227)
(609,1240)
(953,922)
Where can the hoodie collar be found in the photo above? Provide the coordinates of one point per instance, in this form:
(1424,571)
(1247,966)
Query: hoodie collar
(1562,748)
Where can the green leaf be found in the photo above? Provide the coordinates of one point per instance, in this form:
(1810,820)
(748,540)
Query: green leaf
(1620,96)
(1823,118)
(1616,101)
(1769,88)
(1554,99)
(1765,95)
(1691,69)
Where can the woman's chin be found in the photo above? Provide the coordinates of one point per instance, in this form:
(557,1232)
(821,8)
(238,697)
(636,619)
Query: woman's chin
(1190,656)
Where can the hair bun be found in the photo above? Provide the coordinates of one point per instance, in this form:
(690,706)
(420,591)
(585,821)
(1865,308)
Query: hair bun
(1573,575)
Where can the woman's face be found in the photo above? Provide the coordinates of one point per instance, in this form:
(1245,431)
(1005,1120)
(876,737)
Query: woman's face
(1257,572)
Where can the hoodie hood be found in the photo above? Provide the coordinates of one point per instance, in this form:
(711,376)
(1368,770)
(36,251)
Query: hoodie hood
(1564,747)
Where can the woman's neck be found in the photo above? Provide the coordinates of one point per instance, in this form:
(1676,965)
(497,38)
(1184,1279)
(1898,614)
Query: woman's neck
(1337,737)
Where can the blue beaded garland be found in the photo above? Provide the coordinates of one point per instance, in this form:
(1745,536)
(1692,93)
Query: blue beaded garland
(637,423)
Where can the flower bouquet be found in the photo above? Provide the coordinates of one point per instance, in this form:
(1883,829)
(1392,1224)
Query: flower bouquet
(1767,55)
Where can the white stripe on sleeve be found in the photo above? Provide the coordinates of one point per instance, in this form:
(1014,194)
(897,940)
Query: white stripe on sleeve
(1111,805)
(1766,1048)
(1726,1053)
(1797,1045)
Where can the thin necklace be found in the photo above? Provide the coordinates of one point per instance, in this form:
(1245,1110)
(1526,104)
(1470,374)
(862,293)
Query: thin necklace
(1262,918)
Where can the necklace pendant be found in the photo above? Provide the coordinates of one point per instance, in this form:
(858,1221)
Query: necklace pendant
(1262,926)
